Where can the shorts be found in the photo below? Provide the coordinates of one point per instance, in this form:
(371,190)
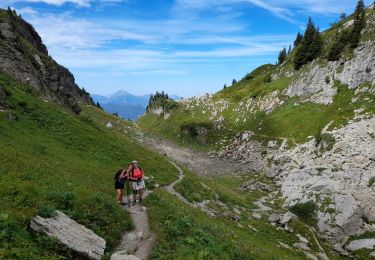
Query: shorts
(119,185)
(137,185)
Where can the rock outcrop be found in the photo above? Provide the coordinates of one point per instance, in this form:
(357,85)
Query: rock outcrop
(81,240)
(24,57)
(317,83)
(337,178)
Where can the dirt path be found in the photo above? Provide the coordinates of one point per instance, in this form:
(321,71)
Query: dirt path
(138,242)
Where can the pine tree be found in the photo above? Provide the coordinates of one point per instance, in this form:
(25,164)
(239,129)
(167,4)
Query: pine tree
(225,86)
(359,24)
(340,41)
(342,16)
(282,56)
(234,82)
(310,46)
(298,40)
(289,49)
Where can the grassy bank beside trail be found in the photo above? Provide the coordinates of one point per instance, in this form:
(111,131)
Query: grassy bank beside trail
(187,233)
(51,159)
(184,232)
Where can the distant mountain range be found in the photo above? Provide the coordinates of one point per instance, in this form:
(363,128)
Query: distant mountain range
(128,106)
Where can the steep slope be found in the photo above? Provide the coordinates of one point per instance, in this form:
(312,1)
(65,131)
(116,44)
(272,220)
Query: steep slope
(51,159)
(25,57)
(312,128)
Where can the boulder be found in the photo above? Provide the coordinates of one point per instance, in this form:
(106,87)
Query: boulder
(274,218)
(287,217)
(75,236)
(368,243)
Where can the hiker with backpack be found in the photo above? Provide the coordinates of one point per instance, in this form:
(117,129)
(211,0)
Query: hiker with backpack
(121,179)
(136,176)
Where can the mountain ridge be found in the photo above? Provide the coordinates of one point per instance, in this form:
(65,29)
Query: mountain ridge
(26,58)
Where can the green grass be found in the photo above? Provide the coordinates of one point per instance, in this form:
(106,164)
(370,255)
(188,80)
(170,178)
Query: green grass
(51,159)
(187,233)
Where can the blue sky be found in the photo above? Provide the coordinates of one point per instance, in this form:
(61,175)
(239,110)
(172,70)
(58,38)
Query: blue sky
(184,47)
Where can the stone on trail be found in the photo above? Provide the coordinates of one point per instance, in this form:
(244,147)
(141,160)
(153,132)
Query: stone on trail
(122,255)
(80,239)
(361,243)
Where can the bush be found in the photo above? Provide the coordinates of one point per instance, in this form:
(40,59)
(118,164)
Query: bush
(63,200)
(305,211)
(371,181)
(47,211)
(267,78)
(7,230)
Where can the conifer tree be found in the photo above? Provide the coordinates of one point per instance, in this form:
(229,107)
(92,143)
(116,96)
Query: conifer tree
(310,46)
(282,56)
(359,24)
(234,82)
(298,39)
(289,49)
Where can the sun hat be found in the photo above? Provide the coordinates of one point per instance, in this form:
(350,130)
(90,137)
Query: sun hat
(135,162)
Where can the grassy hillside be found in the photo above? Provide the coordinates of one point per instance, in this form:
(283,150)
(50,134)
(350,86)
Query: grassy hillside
(50,159)
(243,106)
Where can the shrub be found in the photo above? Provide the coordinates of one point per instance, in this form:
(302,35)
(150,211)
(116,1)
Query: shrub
(267,78)
(47,211)
(371,181)
(305,211)
(327,80)
(63,200)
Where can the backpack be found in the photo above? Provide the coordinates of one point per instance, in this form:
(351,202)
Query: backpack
(117,175)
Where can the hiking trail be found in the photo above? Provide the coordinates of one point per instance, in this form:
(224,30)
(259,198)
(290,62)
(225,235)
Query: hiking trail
(138,243)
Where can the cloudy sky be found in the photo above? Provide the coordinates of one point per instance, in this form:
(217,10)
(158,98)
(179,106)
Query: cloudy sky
(184,47)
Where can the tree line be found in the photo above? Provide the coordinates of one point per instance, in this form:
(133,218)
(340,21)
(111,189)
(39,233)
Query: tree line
(308,46)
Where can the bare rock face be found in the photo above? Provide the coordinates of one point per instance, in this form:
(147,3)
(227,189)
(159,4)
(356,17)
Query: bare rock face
(24,57)
(75,236)
(317,83)
(336,176)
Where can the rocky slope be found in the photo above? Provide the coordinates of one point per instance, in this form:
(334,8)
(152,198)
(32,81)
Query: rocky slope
(24,57)
(311,131)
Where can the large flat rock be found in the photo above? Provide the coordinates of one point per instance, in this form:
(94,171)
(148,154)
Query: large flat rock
(75,236)
(361,243)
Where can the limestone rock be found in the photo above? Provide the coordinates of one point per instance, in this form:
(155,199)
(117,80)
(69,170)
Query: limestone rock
(287,217)
(274,217)
(73,235)
(302,246)
(122,255)
(336,179)
(361,243)
(254,185)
